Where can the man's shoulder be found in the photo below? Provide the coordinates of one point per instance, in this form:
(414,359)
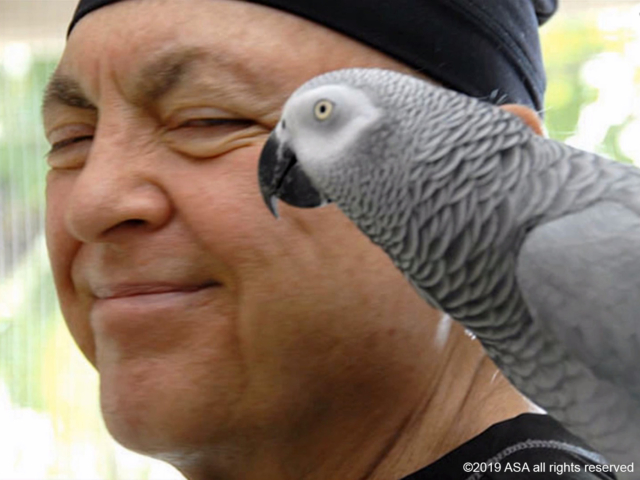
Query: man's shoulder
(528,447)
(545,460)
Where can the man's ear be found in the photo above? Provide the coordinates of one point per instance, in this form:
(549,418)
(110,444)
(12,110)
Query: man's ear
(527,115)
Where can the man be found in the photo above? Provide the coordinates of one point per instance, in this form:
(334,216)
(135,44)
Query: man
(229,344)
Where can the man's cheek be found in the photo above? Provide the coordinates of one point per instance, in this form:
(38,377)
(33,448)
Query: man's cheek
(62,249)
(60,244)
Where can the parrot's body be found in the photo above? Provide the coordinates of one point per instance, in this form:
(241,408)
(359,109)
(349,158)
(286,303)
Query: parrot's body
(533,245)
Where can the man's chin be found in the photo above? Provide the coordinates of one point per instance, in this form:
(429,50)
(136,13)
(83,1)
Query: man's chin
(151,406)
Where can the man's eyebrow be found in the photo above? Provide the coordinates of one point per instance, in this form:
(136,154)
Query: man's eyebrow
(164,72)
(64,90)
(160,75)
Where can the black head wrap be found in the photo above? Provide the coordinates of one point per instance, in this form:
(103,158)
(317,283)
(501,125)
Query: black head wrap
(486,49)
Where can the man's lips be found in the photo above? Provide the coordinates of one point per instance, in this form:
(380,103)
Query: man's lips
(122,310)
(122,290)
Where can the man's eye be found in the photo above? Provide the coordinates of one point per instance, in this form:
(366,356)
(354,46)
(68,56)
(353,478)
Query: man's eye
(56,146)
(203,136)
(233,123)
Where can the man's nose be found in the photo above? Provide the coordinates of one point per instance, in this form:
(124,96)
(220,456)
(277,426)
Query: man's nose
(119,189)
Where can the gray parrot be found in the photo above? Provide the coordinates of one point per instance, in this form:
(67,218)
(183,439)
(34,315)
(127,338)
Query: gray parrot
(532,245)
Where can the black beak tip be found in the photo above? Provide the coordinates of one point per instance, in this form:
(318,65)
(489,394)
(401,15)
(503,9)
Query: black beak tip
(267,177)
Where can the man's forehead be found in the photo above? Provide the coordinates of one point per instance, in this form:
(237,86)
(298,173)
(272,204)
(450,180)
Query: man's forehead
(145,59)
(233,36)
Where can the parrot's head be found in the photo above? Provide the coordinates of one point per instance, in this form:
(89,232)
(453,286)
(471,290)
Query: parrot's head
(353,136)
(332,128)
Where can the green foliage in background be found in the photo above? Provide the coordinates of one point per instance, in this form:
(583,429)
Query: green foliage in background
(22,139)
(26,291)
(568,43)
(566,48)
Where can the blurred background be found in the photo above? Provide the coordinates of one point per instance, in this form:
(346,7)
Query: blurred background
(50,425)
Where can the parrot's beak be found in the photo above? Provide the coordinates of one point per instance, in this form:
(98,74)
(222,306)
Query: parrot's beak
(281,177)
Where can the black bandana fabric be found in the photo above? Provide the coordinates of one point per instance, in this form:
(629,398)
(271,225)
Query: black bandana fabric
(485,49)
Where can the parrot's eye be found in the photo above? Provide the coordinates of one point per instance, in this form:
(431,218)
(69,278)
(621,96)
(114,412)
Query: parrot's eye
(322,109)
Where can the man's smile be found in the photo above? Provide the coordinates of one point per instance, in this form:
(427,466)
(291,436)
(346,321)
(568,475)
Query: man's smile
(119,306)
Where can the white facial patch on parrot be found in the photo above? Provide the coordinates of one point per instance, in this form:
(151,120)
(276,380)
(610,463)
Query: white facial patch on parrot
(322,124)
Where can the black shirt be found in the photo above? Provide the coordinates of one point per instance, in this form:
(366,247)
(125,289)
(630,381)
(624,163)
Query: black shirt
(528,447)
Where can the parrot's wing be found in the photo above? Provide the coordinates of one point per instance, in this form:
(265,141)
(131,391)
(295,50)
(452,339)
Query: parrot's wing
(580,278)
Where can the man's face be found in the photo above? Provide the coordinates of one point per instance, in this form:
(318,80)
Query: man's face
(210,322)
